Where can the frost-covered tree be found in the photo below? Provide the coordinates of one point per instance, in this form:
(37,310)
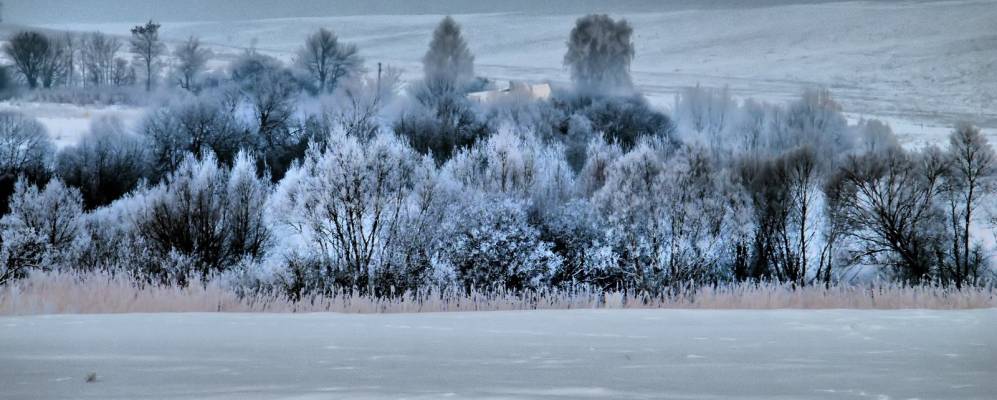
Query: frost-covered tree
(599,55)
(106,164)
(493,246)
(192,58)
(41,230)
(814,120)
(706,116)
(599,157)
(203,219)
(448,64)
(25,150)
(515,164)
(25,147)
(441,125)
(147,48)
(624,120)
(328,60)
(197,124)
(874,136)
(348,202)
(667,217)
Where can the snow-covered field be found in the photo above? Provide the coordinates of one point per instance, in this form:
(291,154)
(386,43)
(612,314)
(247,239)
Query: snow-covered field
(67,123)
(635,354)
(922,65)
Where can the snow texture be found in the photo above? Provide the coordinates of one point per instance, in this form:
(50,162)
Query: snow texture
(580,354)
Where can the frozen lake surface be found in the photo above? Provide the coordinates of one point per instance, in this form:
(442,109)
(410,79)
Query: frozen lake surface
(635,354)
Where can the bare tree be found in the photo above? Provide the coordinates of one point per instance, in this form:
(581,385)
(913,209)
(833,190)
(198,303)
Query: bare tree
(448,64)
(31,52)
(783,193)
(70,44)
(106,164)
(98,58)
(328,60)
(888,202)
(599,54)
(191,61)
(147,48)
(803,184)
(25,147)
(972,165)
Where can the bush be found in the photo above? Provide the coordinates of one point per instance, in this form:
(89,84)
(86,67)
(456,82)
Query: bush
(192,124)
(203,219)
(492,246)
(622,120)
(25,151)
(106,164)
(440,125)
(42,230)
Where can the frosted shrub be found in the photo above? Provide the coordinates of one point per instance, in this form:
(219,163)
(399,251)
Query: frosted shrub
(519,165)
(25,150)
(492,246)
(668,217)
(106,164)
(42,229)
(349,203)
(577,233)
(204,219)
(623,120)
(441,124)
(192,125)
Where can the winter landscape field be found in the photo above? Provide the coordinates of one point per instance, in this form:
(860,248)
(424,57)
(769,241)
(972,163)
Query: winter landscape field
(564,199)
(580,354)
(920,65)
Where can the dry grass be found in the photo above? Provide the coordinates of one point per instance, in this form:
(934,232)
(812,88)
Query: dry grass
(55,293)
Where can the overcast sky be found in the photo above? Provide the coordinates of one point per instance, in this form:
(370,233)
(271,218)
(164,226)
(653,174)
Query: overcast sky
(65,11)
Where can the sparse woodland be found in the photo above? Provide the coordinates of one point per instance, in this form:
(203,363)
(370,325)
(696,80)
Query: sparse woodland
(321,178)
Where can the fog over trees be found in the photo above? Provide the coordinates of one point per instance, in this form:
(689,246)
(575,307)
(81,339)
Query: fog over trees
(321,176)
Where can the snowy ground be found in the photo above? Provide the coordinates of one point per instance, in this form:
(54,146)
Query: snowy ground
(923,65)
(636,354)
(67,123)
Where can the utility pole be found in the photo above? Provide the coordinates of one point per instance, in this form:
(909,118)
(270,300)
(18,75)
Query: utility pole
(379,78)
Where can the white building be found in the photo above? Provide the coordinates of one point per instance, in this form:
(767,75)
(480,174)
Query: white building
(515,89)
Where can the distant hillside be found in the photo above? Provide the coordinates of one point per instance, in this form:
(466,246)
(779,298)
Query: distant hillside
(66,11)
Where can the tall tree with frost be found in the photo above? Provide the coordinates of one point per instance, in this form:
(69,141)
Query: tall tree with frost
(599,54)
(147,47)
(448,64)
(328,60)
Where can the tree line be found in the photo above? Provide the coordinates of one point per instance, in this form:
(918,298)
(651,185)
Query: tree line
(320,177)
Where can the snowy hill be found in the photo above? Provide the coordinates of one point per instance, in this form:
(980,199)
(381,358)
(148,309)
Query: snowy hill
(920,65)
